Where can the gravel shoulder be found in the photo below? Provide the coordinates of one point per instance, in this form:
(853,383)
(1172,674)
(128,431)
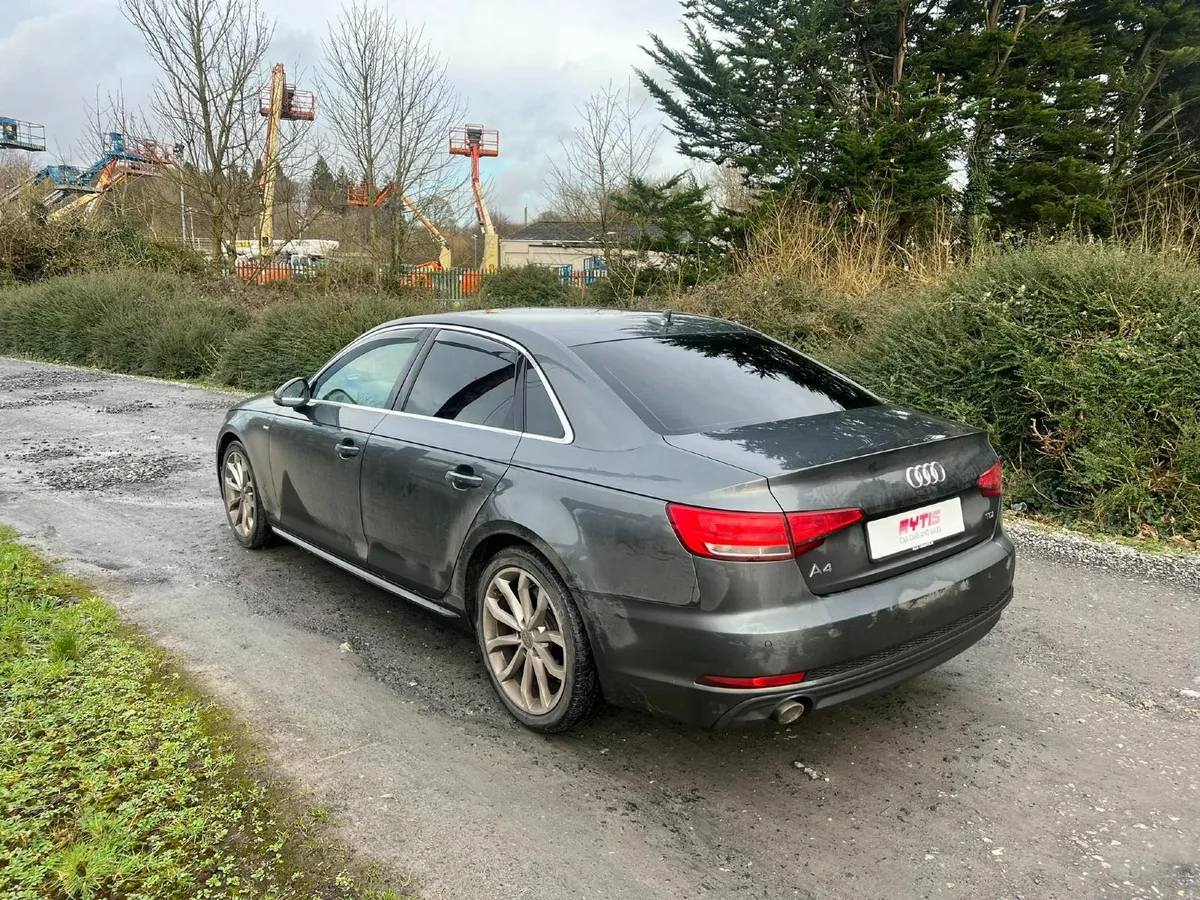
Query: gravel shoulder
(1057,758)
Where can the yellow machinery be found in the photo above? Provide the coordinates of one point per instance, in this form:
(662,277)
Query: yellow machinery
(279,101)
(365,195)
(476,142)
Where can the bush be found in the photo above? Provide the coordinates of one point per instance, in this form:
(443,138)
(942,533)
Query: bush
(526,286)
(1084,364)
(297,335)
(34,248)
(139,323)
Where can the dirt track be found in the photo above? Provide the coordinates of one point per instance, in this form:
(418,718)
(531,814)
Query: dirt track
(1058,758)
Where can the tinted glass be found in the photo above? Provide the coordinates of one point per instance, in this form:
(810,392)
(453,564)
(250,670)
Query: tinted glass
(467,379)
(366,377)
(681,384)
(540,415)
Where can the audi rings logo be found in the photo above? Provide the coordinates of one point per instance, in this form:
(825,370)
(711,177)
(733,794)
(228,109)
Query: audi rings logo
(925,475)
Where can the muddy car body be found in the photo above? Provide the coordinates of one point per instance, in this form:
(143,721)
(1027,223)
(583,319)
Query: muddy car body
(672,513)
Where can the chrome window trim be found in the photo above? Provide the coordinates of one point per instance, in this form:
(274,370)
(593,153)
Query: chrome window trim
(382,330)
(353,345)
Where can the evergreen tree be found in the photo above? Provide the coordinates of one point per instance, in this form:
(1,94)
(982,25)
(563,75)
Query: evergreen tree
(321,185)
(835,99)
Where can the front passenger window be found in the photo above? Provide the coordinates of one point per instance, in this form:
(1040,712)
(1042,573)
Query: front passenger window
(366,377)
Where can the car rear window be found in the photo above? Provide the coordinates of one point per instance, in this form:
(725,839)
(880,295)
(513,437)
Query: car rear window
(681,384)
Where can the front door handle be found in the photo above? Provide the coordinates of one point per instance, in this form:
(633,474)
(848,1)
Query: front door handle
(463,478)
(347,449)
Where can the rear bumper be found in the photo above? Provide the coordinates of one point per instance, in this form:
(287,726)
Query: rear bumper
(872,675)
(851,644)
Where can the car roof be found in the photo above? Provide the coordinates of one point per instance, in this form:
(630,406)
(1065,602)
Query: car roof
(575,326)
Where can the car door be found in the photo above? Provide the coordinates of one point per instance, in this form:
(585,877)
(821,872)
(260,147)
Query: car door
(316,451)
(427,471)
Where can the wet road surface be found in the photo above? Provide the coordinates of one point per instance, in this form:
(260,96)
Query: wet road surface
(1060,757)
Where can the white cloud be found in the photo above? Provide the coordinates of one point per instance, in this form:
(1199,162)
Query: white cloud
(522,66)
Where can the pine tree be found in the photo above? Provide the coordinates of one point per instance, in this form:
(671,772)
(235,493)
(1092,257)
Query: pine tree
(834,99)
(321,185)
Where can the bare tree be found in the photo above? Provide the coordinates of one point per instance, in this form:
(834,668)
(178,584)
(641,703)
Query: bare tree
(210,54)
(392,105)
(601,156)
(727,186)
(358,79)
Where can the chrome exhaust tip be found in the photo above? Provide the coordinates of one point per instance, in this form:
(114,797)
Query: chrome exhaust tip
(788,712)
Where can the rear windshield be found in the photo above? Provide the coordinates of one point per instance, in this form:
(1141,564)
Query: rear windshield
(680,384)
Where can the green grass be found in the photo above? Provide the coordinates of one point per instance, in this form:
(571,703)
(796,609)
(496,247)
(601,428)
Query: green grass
(119,781)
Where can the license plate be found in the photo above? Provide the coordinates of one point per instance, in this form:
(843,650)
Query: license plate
(914,529)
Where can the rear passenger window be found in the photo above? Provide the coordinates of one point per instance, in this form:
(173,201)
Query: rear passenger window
(540,416)
(466,379)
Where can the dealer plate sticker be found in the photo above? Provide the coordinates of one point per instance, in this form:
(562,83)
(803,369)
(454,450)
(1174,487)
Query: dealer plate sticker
(914,529)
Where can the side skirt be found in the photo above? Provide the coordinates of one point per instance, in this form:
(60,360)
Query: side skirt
(366,576)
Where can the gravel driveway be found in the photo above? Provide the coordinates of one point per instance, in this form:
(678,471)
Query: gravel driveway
(1060,757)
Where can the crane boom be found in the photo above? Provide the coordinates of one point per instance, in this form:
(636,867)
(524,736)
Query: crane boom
(266,222)
(476,142)
(280,101)
(360,195)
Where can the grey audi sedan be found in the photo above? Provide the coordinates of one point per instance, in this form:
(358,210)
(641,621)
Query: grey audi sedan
(671,513)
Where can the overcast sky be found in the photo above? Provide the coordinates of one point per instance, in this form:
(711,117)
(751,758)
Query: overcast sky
(521,65)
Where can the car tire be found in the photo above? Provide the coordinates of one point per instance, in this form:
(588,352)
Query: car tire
(535,650)
(243,503)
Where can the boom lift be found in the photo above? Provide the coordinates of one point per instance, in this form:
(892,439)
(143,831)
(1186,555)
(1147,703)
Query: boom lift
(18,135)
(476,142)
(277,102)
(123,158)
(361,195)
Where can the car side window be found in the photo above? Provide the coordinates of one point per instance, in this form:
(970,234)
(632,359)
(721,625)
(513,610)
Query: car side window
(467,379)
(366,377)
(540,415)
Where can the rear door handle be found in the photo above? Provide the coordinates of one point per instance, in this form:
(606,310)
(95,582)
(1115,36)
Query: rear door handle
(347,449)
(463,478)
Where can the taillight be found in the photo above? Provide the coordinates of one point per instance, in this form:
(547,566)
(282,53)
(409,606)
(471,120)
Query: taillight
(747,537)
(991,482)
(758,681)
(721,534)
(809,529)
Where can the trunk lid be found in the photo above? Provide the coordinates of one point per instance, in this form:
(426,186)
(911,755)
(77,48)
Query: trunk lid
(884,460)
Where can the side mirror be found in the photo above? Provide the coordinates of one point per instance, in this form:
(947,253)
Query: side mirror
(293,394)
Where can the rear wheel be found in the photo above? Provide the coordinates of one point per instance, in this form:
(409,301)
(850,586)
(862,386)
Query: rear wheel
(243,508)
(533,643)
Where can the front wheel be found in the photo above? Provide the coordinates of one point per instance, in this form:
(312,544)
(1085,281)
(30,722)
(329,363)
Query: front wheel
(243,507)
(533,643)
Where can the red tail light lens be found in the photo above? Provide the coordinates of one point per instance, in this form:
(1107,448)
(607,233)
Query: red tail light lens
(809,529)
(721,534)
(760,681)
(746,537)
(991,482)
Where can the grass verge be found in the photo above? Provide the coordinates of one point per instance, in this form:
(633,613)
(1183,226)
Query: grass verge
(117,780)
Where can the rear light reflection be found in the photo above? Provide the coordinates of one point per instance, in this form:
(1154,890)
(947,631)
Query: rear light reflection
(750,537)
(759,681)
(991,482)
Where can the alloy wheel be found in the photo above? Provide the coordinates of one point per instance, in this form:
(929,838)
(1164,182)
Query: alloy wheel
(238,487)
(524,641)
